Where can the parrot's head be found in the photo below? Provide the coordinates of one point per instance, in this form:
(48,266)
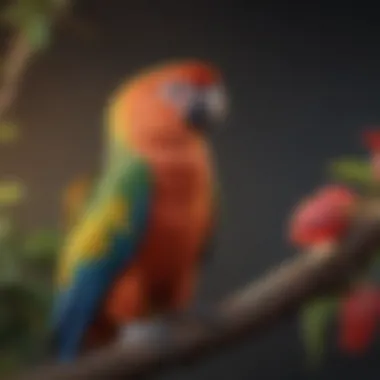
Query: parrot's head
(174,102)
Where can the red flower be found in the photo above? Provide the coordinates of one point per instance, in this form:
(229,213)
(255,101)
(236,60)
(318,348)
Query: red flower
(322,217)
(358,319)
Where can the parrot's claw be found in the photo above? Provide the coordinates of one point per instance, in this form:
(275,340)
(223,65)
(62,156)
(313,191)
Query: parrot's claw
(154,331)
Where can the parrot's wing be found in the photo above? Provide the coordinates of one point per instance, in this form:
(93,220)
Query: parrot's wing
(101,243)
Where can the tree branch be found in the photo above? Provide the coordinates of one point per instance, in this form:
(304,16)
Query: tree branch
(16,60)
(14,67)
(251,311)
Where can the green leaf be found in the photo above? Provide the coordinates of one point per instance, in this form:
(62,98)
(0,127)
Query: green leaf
(33,18)
(26,294)
(352,170)
(9,361)
(8,133)
(6,229)
(13,16)
(19,11)
(314,320)
(38,31)
(42,244)
(11,192)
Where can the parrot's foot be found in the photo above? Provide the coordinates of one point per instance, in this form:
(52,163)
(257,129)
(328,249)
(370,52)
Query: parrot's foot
(154,331)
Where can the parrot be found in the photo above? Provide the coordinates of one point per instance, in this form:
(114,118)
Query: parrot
(138,234)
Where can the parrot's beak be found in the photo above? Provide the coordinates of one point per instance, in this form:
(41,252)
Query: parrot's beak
(208,109)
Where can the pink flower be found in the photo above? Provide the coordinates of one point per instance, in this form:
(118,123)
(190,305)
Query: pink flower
(322,217)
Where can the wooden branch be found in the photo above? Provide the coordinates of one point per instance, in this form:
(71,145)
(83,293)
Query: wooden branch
(251,311)
(14,66)
(16,61)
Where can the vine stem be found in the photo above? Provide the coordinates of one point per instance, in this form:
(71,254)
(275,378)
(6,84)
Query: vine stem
(17,58)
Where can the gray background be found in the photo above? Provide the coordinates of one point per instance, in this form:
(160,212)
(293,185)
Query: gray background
(304,80)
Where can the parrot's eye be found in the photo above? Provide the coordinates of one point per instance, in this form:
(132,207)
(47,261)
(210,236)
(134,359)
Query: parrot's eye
(178,92)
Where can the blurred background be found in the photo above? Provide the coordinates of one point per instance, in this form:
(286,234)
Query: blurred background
(303,80)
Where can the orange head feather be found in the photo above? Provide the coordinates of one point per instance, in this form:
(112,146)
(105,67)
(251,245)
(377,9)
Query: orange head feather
(169,102)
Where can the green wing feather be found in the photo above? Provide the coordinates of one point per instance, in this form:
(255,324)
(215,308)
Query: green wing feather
(104,241)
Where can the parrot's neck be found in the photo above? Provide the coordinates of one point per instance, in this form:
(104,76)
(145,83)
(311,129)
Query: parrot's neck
(116,157)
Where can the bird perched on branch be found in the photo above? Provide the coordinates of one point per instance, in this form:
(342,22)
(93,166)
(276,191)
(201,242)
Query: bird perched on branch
(137,244)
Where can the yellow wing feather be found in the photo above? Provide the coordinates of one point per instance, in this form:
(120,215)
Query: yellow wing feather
(90,239)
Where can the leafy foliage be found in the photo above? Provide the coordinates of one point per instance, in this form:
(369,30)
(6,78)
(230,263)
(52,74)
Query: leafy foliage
(315,319)
(26,267)
(356,173)
(26,258)
(352,171)
(8,133)
(11,193)
(33,18)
